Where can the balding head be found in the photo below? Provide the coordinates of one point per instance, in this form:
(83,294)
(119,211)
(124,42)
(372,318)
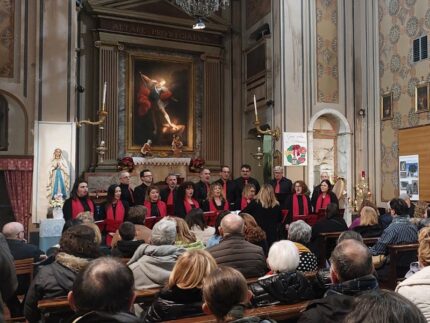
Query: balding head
(12,231)
(350,259)
(231,223)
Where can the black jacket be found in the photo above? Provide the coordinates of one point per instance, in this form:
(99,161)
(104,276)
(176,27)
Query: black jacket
(284,288)
(285,189)
(175,303)
(139,194)
(22,250)
(97,316)
(126,249)
(231,191)
(164,194)
(368,231)
(201,193)
(127,194)
(316,194)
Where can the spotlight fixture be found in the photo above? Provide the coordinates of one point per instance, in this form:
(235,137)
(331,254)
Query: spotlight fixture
(199,24)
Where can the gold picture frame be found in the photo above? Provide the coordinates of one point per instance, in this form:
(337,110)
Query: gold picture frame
(160,85)
(387,105)
(422,97)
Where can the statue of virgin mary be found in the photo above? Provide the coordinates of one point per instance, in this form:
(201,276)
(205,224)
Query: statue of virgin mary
(59,180)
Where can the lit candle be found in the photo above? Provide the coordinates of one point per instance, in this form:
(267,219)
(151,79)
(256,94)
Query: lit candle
(104,96)
(255,108)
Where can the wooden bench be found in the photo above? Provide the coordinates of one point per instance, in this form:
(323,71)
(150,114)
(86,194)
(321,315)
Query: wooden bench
(326,239)
(409,254)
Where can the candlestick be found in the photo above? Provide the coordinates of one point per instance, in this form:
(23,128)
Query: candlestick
(363,174)
(104,96)
(255,108)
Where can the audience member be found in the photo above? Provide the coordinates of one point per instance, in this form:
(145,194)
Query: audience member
(196,223)
(168,194)
(186,200)
(103,292)
(366,202)
(325,196)
(267,212)
(182,296)
(246,197)
(19,248)
(228,186)
(185,238)
(136,215)
(282,186)
(216,238)
(300,233)
(421,218)
(77,247)
(298,203)
(115,211)
(386,219)
(417,287)
(369,225)
(202,187)
(351,274)
(245,178)
(152,263)
(253,233)
(78,201)
(384,306)
(284,285)
(8,281)
(234,251)
(128,244)
(410,206)
(216,200)
(140,192)
(226,294)
(345,235)
(126,191)
(155,206)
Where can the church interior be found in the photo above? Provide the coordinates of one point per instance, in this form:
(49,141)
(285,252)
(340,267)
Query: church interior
(91,89)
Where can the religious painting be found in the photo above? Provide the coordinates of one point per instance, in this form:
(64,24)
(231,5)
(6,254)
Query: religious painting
(160,103)
(422,97)
(387,106)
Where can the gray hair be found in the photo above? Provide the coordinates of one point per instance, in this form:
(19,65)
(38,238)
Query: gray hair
(164,232)
(300,231)
(283,257)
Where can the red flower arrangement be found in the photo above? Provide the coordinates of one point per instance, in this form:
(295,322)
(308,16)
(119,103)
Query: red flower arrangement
(126,163)
(196,164)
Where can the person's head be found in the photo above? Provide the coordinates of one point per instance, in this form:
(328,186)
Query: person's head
(369,203)
(96,229)
(113,193)
(80,189)
(383,306)
(405,197)
(146,177)
(218,220)
(223,289)
(324,176)
(137,214)
(191,268)
(124,178)
(398,207)
(205,175)
(245,171)
(153,194)
(185,190)
(278,172)
(350,234)
(283,257)
(325,186)
(224,172)
(299,231)
(79,241)
(266,196)
(350,259)
(368,216)
(300,187)
(249,191)
(13,231)
(106,285)
(196,217)
(172,181)
(253,233)
(332,210)
(231,224)
(127,231)
(85,216)
(424,247)
(57,153)
(421,208)
(216,191)
(183,232)
(164,232)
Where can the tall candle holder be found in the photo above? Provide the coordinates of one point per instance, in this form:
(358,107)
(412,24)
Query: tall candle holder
(275,133)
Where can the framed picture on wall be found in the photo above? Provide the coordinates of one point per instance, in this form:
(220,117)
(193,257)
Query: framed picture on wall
(387,106)
(422,97)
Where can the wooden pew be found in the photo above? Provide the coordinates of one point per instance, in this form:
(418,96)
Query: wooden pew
(325,240)
(396,253)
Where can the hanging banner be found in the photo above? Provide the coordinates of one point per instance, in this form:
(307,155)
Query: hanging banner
(409,176)
(295,149)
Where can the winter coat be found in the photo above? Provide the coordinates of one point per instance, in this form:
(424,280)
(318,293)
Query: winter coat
(126,249)
(8,281)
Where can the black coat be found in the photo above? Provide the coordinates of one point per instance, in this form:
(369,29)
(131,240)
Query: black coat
(127,194)
(231,191)
(368,231)
(201,192)
(314,199)
(289,206)
(285,189)
(22,250)
(126,249)
(240,184)
(140,194)
(164,194)
(333,224)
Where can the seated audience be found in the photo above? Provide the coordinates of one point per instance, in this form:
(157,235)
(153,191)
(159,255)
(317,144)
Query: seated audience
(247,196)
(103,292)
(253,233)
(356,221)
(417,287)
(351,274)
(325,196)
(115,212)
(128,244)
(216,200)
(226,294)
(267,212)
(8,281)
(196,223)
(136,215)
(152,263)
(284,285)
(369,225)
(182,296)
(185,199)
(184,237)
(410,206)
(298,203)
(345,235)
(155,206)
(380,306)
(300,233)
(421,218)
(216,237)
(77,246)
(234,251)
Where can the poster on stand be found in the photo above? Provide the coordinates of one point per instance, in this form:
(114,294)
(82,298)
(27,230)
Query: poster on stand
(295,149)
(409,176)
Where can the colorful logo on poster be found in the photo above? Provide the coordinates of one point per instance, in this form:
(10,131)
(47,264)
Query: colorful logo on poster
(296,154)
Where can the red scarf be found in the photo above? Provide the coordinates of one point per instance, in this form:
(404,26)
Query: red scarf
(161,208)
(243,203)
(188,206)
(77,207)
(278,186)
(113,221)
(296,205)
(170,198)
(213,207)
(322,202)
